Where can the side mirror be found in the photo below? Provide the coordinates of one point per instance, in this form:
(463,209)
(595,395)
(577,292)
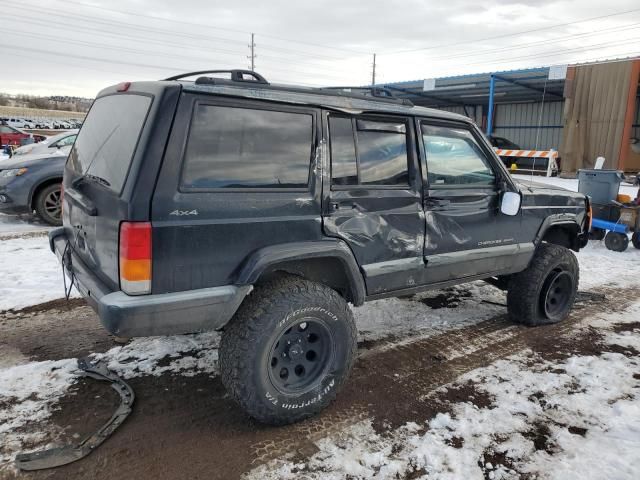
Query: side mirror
(510,204)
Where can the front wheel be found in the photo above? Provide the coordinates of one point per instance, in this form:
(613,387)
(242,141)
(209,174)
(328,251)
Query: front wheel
(288,350)
(544,293)
(635,240)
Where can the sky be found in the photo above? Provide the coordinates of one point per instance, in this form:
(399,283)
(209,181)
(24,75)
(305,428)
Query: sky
(78,47)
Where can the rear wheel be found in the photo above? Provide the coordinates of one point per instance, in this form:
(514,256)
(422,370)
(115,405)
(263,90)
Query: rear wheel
(49,204)
(635,240)
(618,242)
(544,293)
(288,350)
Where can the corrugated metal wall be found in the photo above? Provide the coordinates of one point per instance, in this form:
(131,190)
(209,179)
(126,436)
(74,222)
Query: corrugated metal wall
(519,122)
(635,131)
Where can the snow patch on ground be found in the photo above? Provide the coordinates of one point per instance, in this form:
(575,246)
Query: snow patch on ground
(600,266)
(29,273)
(20,224)
(574,419)
(570,183)
(185,354)
(27,394)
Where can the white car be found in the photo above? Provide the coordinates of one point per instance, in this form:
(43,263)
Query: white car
(20,123)
(59,144)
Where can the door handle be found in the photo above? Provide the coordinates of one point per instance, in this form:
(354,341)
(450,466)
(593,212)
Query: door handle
(341,206)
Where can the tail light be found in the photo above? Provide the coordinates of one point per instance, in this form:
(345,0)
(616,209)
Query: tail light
(135,257)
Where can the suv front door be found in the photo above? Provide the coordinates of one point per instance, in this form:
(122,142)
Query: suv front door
(372,197)
(466,235)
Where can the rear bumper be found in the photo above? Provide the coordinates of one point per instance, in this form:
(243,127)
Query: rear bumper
(157,314)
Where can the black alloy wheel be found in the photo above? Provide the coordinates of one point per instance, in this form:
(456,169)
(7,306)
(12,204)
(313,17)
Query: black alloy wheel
(557,293)
(300,356)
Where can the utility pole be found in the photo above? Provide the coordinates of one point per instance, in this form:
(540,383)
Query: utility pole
(373,75)
(252,57)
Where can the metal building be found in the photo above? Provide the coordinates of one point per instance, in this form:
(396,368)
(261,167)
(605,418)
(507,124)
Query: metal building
(527,106)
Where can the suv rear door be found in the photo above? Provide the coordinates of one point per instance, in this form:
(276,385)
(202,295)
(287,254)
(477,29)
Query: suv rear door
(111,170)
(373,197)
(237,177)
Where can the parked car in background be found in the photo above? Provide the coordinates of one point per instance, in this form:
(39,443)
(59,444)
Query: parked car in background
(20,123)
(64,125)
(31,180)
(501,142)
(44,124)
(10,135)
(58,141)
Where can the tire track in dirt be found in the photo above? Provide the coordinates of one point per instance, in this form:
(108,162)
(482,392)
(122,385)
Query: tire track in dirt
(407,374)
(187,427)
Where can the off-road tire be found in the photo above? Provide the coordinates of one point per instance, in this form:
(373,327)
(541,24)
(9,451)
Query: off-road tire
(635,240)
(248,343)
(527,292)
(42,206)
(618,242)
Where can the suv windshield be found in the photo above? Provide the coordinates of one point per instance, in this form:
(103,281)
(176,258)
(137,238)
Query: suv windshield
(106,144)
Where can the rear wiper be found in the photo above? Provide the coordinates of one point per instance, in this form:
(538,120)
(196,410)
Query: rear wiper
(87,176)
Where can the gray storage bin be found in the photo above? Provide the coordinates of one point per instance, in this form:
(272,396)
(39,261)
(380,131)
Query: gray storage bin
(601,185)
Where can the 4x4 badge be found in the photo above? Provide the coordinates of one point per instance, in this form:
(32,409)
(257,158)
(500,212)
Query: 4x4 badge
(182,213)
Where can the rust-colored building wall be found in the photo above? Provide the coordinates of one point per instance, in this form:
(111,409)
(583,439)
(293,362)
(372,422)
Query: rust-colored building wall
(630,160)
(595,113)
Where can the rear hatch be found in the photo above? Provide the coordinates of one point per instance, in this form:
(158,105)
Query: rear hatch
(104,180)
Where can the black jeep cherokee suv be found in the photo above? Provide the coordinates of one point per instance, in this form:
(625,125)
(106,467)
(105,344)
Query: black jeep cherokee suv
(263,210)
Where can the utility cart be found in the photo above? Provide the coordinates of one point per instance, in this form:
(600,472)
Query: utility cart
(614,215)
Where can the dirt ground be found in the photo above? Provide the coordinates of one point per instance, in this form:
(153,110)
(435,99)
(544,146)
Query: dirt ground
(187,427)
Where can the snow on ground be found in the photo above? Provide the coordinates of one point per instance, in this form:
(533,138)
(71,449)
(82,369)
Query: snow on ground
(29,272)
(588,422)
(570,183)
(10,224)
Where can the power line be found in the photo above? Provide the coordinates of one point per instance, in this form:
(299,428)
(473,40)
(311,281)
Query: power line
(541,29)
(164,68)
(597,46)
(519,46)
(86,43)
(202,25)
(157,31)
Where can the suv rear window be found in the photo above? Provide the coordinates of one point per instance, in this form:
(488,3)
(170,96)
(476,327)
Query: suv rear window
(106,144)
(231,147)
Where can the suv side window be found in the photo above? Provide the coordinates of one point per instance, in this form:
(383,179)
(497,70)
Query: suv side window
(455,158)
(234,147)
(375,155)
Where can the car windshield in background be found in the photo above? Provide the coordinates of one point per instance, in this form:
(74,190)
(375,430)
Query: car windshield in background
(105,146)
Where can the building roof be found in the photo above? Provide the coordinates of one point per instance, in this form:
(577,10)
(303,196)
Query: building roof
(473,89)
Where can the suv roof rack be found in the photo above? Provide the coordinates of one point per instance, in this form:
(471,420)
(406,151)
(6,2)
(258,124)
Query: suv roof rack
(381,94)
(373,91)
(236,76)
